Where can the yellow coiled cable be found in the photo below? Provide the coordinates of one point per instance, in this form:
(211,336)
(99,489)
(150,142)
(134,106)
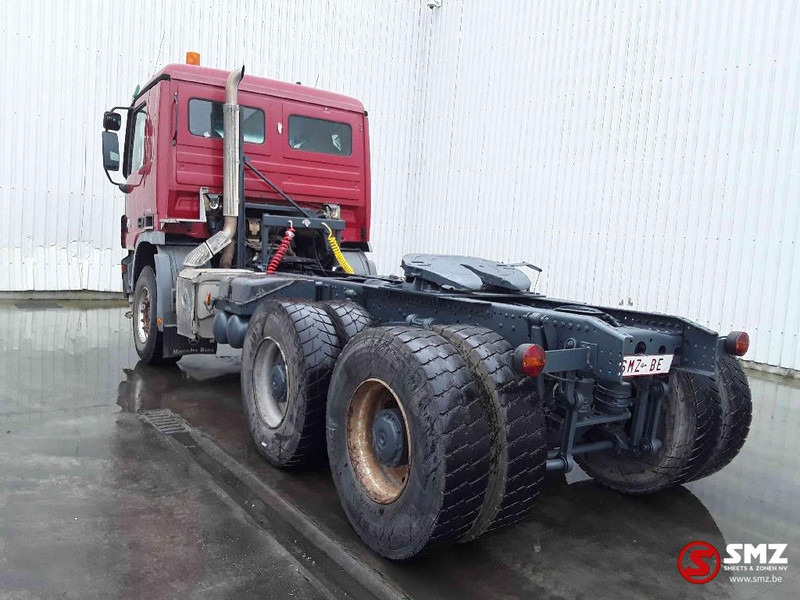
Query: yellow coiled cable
(337,252)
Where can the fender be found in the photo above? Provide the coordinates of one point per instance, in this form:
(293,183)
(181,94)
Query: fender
(168,261)
(152,239)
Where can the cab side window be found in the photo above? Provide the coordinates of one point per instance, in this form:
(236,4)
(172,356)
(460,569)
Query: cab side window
(319,135)
(137,142)
(205,120)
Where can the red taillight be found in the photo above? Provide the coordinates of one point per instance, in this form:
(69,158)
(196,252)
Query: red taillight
(530,359)
(737,343)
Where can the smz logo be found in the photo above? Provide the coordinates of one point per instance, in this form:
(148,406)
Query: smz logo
(767,554)
(699,562)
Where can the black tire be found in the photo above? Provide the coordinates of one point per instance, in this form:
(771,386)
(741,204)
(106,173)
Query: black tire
(518,446)
(688,429)
(440,491)
(348,318)
(149,341)
(288,429)
(736,408)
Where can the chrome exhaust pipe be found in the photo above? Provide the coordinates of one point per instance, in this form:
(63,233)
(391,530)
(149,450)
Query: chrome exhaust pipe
(231,193)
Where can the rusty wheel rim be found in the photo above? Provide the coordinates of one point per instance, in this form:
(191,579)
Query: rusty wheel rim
(143,316)
(382,483)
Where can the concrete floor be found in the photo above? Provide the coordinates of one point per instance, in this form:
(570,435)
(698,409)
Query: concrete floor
(96,503)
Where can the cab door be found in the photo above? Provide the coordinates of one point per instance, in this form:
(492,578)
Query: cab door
(140,136)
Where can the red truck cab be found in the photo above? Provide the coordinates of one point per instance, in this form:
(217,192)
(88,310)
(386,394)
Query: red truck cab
(300,201)
(311,143)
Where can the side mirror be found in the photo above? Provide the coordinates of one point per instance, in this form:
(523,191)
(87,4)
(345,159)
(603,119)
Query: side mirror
(110,151)
(112,121)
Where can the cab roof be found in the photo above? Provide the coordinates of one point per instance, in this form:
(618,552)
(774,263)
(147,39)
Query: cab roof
(257,85)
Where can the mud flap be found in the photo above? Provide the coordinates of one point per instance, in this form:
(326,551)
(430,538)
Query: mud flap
(360,263)
(177,345)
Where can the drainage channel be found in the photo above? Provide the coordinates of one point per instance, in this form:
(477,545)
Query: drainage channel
(335,570)
(166,421)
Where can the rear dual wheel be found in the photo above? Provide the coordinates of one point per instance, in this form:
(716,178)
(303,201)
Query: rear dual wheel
(736,410)
(704,423)
(432,437)
(348,318)
(288,355)
(408,440)
(518,449)
(688,428)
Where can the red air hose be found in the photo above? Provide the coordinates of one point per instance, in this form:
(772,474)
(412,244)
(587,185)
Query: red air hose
(282,249)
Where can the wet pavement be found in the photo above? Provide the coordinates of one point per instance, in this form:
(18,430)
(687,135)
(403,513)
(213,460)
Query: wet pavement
(96,503)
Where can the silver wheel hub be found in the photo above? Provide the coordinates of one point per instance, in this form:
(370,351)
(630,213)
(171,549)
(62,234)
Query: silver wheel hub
(270,382)
(142,316)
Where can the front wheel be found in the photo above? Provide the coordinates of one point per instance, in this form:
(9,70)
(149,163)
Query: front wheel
(149,341)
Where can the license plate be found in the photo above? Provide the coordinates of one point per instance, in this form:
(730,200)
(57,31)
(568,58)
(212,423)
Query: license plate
(646,364)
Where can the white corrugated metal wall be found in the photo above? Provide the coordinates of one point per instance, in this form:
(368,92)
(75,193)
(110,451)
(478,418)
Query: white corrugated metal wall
(62,63)
(643,153)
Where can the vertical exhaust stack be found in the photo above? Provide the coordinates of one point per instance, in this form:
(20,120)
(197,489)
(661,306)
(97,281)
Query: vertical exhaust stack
(231,193)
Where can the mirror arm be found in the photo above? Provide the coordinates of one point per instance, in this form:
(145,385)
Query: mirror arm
(108,175)
(127,109)
(125,188)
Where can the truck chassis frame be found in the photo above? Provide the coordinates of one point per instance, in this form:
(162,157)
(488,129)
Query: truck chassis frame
(584,344)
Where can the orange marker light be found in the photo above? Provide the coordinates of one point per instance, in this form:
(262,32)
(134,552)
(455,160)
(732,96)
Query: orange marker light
(737,343)
(530,359)
(192,58)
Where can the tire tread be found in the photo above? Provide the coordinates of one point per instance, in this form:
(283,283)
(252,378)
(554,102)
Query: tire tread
(735,405)
(318,343)
(348,318)
(519,449)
